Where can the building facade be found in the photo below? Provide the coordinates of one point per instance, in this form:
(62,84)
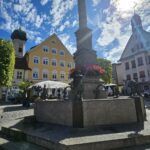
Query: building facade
(135,58)
(50,60)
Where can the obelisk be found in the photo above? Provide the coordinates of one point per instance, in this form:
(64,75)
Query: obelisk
(85,55)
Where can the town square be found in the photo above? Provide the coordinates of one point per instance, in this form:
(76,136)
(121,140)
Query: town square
(74,75)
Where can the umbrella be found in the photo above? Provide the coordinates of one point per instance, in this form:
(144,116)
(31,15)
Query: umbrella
(50,84)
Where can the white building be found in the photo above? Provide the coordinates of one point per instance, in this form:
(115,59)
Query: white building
(135,58)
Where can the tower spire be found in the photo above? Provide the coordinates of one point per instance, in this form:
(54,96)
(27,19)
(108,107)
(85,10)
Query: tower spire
(82,13)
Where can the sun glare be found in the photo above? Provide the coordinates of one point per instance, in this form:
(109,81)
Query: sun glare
(126,5)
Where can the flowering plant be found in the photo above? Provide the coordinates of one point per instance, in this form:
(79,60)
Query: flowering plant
(88,70)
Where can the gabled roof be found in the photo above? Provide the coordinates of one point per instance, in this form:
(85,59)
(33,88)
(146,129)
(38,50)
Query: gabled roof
(49,38)
(136,44)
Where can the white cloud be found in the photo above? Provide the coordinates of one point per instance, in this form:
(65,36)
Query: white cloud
(59,9)
(65,38)
(44,2)
(65,25)
(110,32)
(115,53)
(75,22)
(117,27)
(38,40)
(96,2)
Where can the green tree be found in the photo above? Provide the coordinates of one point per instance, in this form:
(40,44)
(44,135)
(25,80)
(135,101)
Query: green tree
(7,62)
(24,87)
(106,65)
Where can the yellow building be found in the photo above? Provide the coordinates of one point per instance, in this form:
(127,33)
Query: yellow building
(50,60)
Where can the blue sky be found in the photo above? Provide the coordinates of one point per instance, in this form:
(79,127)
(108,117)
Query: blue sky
(109,20)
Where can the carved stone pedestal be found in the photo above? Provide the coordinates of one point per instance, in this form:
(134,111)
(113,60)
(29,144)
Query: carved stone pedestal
(93,89)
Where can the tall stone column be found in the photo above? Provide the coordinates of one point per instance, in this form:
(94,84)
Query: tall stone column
(85,55)
(82,13)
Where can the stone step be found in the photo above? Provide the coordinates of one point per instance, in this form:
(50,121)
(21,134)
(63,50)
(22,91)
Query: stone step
(143,147)
(8,144)
(90,142)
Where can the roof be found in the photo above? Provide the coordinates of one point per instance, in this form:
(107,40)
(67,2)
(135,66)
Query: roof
(139,40)
(21,63)
(19,34)
(50,38)
(136,44)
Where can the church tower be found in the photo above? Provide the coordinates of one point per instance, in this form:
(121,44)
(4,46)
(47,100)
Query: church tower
(136,23)
(19,39)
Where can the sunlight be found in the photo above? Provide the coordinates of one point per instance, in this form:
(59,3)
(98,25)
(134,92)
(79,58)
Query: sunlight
(126,5)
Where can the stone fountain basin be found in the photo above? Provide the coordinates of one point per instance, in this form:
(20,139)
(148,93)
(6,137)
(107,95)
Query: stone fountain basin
(110,111)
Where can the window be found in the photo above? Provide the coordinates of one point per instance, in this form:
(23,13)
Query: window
(19,75)
(54,62)
(140,61)
(148,59)
(142,74)
(54,75)
(53,42)
(127,65)
(148,72)
(128,77)
(62,63)
(35,74)
(133,50)
(141,45)
(45,61)
(62,75)
(45,49)
(36,60)
(45,74)
(54,51)
(69,65)
(133,64)
(20,50)
(62,53)
(135,76)
(147,44)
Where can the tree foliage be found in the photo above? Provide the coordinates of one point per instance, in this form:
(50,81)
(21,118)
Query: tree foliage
(23,87)
(106,65)
(7,62)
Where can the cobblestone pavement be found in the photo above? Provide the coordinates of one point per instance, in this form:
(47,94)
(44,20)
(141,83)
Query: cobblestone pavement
(10,112)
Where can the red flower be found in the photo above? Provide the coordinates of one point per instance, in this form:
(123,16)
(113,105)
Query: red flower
(87,70)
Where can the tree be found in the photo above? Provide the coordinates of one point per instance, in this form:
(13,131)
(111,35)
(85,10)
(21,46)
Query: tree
(106,65)
(7,62)
(24,87)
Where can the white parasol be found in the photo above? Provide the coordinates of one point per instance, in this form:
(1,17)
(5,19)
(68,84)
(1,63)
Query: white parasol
(50,84)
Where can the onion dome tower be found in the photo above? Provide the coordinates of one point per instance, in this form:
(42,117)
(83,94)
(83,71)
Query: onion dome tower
(19,39)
